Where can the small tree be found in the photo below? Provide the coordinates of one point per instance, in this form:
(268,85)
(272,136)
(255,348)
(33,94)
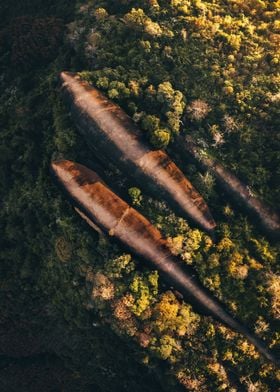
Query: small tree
(160,138)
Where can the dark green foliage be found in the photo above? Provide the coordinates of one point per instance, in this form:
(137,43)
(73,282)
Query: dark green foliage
(32,41)
(222,54)
(39,8)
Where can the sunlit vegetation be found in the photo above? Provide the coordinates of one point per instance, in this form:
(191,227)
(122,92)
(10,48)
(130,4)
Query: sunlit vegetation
(204,68)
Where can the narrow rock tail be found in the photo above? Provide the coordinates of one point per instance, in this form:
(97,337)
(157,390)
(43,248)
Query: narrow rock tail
(100,207)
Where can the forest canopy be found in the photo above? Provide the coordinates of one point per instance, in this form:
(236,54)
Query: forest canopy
(207,69)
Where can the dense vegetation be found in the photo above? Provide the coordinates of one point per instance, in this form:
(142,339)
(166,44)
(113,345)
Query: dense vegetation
(204,68)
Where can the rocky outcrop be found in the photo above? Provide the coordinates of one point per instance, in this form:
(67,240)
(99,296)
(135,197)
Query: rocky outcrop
(98,204)
(237,190)
(114,138)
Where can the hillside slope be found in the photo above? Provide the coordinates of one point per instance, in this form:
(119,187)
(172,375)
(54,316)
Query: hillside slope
(86,314)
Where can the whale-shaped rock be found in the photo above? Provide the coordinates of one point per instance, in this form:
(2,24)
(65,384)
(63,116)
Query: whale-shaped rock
(99,205)
(115,139)
(239,192)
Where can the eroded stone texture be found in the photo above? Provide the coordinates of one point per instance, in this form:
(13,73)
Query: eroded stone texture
(114,137)
(237,190)
(115,217)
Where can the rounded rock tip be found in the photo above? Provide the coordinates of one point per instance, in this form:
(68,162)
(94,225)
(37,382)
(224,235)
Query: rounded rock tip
(65,75)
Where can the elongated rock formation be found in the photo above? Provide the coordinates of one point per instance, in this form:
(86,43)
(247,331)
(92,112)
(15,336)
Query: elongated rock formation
(237,190)
(100,206)
(114,138)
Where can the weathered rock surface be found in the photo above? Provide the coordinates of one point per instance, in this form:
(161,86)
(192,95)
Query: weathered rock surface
(115,217)
(114,138)
(236,189)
